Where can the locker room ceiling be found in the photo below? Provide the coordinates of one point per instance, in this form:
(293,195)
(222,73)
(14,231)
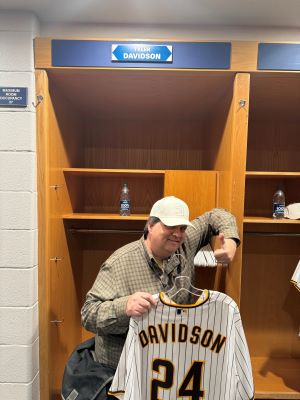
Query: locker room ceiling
(251,13)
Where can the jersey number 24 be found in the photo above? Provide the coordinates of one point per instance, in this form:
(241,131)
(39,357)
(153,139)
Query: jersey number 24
(189,387)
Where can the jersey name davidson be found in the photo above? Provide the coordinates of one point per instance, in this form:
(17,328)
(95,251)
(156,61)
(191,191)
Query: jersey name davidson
(180,333)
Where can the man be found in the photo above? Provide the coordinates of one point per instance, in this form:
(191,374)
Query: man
(129,277)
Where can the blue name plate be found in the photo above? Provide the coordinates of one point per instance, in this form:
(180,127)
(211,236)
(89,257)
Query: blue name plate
(142,52)
(134,54)
(279,56)
(13,97)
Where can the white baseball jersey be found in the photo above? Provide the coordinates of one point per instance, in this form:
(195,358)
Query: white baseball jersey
(187,352)
(205,257)
(296,277)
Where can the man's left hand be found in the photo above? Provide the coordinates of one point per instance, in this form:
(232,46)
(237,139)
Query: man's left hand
(226,253)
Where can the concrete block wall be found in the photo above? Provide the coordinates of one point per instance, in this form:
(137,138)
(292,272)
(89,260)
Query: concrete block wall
(19,340)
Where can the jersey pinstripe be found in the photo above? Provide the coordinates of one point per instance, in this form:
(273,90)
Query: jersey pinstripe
(296,277)
(205,257)
(189,352)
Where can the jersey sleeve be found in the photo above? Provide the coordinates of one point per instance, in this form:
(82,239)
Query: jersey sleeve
(243,361)
(296,277)
(118,386)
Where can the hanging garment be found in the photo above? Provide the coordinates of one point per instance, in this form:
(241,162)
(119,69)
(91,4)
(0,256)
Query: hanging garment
(296,277)
(178,351)
(205,257)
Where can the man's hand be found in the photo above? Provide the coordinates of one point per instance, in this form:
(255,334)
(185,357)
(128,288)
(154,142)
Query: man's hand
(138,303)
(226,253)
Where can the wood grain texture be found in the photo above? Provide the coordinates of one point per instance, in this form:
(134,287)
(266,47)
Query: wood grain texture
(274,123)
(244,56)
(276,378)
(42,53)
(43,238)
(259,194)
(197,188)
(230,160)
(57,288)
(268,265)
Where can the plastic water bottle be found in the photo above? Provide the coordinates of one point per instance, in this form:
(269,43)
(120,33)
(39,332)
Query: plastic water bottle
(125,200)
(278,204)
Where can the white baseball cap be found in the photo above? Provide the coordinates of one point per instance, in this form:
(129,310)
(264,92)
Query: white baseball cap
(171,211)
(292,211)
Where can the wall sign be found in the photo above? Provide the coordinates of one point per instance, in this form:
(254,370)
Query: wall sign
(142,52)
(13,97)
(279,56)
(133,54)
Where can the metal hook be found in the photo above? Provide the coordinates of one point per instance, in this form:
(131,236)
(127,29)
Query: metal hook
(39,100)
(55,187)
(56,259)
(57,321)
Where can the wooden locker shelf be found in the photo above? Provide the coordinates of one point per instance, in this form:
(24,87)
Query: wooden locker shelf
(276,378)
(112,172)
(258,208)
(269,220)
(269,174)
(94,192)
(92,216)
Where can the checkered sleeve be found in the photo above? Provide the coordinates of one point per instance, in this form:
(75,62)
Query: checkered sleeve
(211,223)
(125,272)
(104,311)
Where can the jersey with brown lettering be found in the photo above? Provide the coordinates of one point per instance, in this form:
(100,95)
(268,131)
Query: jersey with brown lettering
(186,351)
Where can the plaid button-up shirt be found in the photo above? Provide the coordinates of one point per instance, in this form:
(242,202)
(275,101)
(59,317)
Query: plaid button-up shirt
(131,269)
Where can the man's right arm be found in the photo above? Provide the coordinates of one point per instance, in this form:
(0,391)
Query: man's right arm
(104,310)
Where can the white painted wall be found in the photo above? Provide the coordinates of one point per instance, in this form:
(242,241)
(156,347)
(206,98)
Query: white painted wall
(18,196)
(19,368)
(169,32)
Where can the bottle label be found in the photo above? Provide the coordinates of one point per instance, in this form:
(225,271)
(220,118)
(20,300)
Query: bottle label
(278,209)
(124,205)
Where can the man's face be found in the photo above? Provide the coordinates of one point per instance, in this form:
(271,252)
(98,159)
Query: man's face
(164,240)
